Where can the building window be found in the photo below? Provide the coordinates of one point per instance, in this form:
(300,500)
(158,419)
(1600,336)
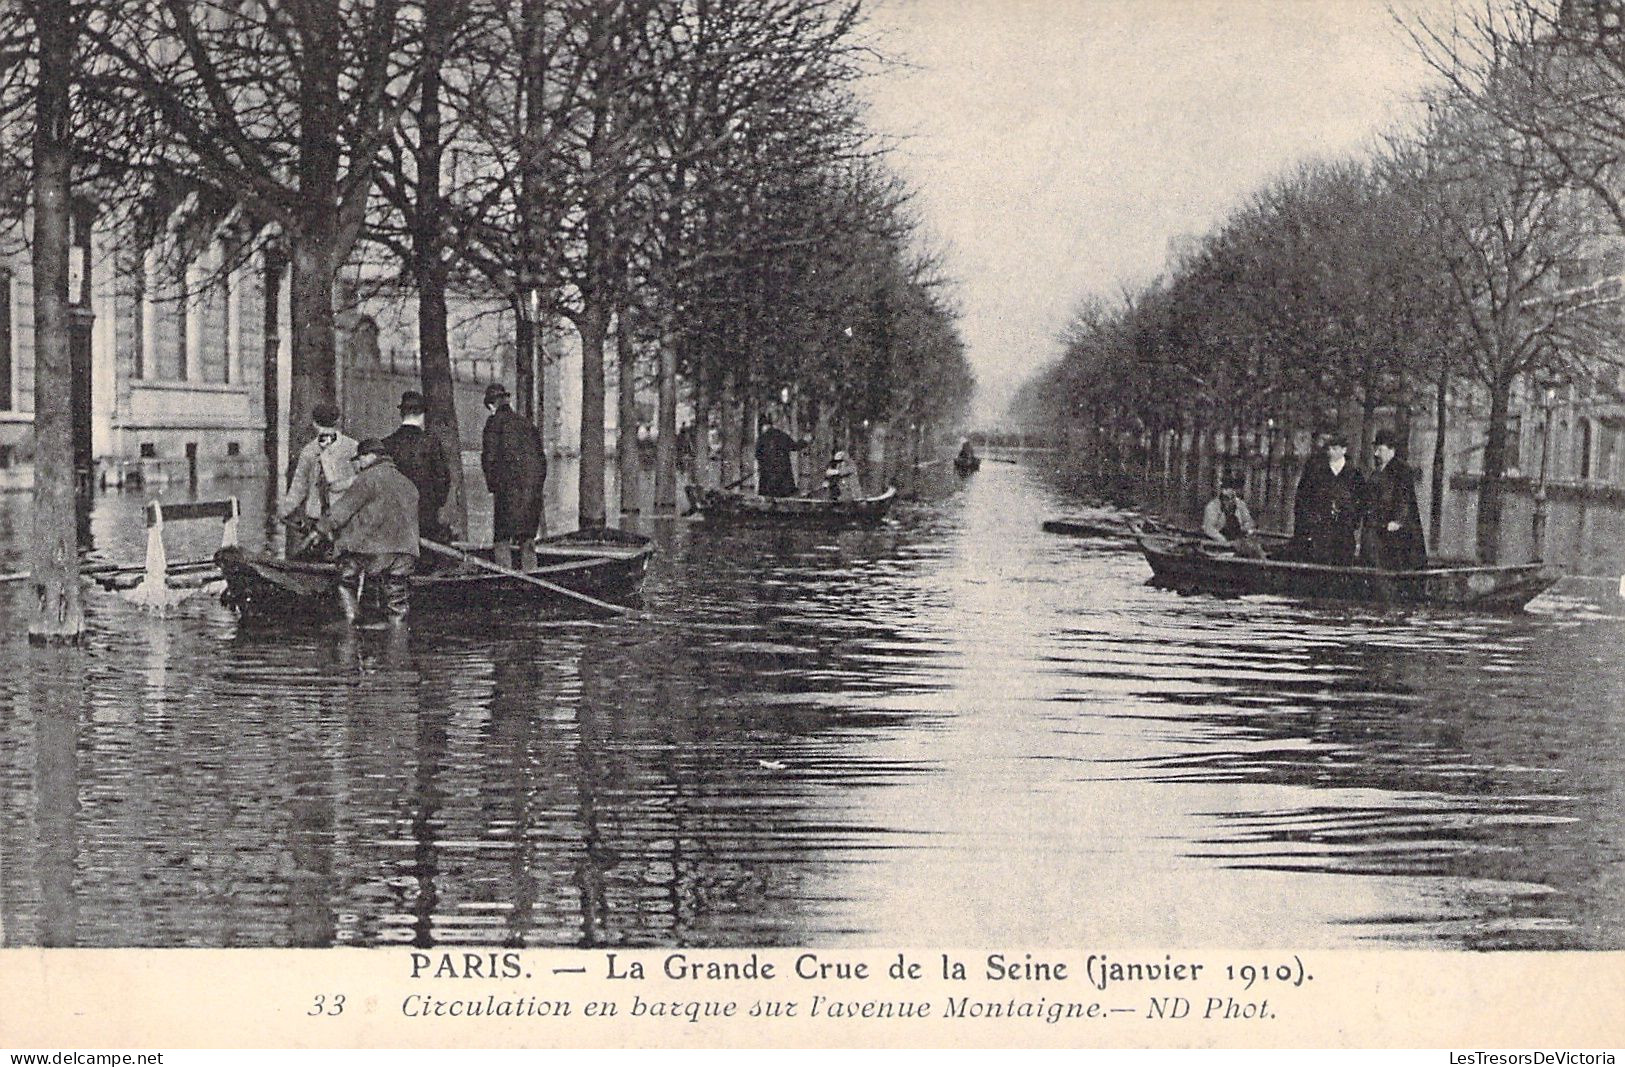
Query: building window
(7,387)
(1585,449)
(1514,454)
(149,450)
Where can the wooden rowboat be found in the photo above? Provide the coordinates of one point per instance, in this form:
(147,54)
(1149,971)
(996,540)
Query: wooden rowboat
(722,505)
(600,563)
(1178,563)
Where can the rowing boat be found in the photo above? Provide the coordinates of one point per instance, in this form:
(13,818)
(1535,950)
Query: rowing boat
(600,562)
(1178,563)
(722,505)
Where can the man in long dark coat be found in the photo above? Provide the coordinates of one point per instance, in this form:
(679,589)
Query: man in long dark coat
(774,475)
(1391,534)
(515,471)
(418,456)
(1326,507)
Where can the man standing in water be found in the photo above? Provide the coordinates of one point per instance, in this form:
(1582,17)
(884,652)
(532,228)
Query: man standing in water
(1391,537)
(418,456)
(774,476)
(515,470)
(375,529)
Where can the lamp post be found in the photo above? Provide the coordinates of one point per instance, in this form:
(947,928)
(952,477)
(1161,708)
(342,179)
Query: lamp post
(1548,399)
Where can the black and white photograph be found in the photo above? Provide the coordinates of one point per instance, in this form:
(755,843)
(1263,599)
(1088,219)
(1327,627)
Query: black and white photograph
(635,485)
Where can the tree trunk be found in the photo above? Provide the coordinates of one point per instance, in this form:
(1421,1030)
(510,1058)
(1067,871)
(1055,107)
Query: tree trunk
(666,420)
(593,326)
(314,252)
(314,347)
(1489,488)
(700,447)
(525,400)
(731,451)
(627,456)
(1441,400)
(429,266)
(530,370)
(55,616)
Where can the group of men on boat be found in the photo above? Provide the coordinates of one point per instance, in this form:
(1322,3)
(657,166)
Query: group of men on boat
(1340,514)
(373,504)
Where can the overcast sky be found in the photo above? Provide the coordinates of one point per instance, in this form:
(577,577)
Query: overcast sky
(1057,145)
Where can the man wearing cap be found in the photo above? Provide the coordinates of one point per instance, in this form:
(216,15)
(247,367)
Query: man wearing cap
(374,526)
(515,470)
(1391,535)
(1326,506)
(418,456)
(1227,522)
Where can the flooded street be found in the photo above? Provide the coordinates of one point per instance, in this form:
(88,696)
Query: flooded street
(954,729)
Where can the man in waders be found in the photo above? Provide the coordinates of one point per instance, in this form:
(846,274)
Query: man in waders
(375,530)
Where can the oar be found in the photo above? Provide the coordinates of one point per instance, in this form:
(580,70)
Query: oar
(496,568)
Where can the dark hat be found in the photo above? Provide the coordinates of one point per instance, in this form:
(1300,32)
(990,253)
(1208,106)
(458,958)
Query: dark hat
(1233,481)
(325,415)
(1337,437)
(371,446)
(495,391)
(1386,437)
(412,403)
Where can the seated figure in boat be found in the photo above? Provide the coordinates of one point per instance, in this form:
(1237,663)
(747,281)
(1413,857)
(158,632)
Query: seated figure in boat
(967,455)
(1326,506)
(321,474)
(374,526)
(1391,534)
(1227,521)
(774,476)
(840,469)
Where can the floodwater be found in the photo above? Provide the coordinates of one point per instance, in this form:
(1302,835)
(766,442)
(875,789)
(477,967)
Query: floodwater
(954,729)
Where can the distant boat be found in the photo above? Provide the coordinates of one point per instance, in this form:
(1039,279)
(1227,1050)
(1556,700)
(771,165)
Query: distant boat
(604,562)
(1180,563)
(723,505)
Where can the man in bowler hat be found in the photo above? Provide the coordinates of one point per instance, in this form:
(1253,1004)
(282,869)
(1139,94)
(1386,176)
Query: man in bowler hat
(515,470)
(1391,535)
(418,456)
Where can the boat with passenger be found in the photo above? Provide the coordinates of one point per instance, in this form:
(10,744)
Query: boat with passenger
(595,563)
(725,505)
(1190,565)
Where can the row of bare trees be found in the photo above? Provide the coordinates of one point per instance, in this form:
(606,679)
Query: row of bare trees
(1467,257)
(688,180)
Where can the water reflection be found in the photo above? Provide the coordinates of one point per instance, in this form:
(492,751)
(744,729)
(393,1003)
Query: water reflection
(951,729)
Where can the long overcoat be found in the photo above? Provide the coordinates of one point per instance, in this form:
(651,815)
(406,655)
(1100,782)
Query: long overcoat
(515,471)
(418,456)
(774,475)
(1326,512)
(1391,498)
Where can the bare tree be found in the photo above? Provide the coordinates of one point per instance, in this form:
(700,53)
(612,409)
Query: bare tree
(56,616)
